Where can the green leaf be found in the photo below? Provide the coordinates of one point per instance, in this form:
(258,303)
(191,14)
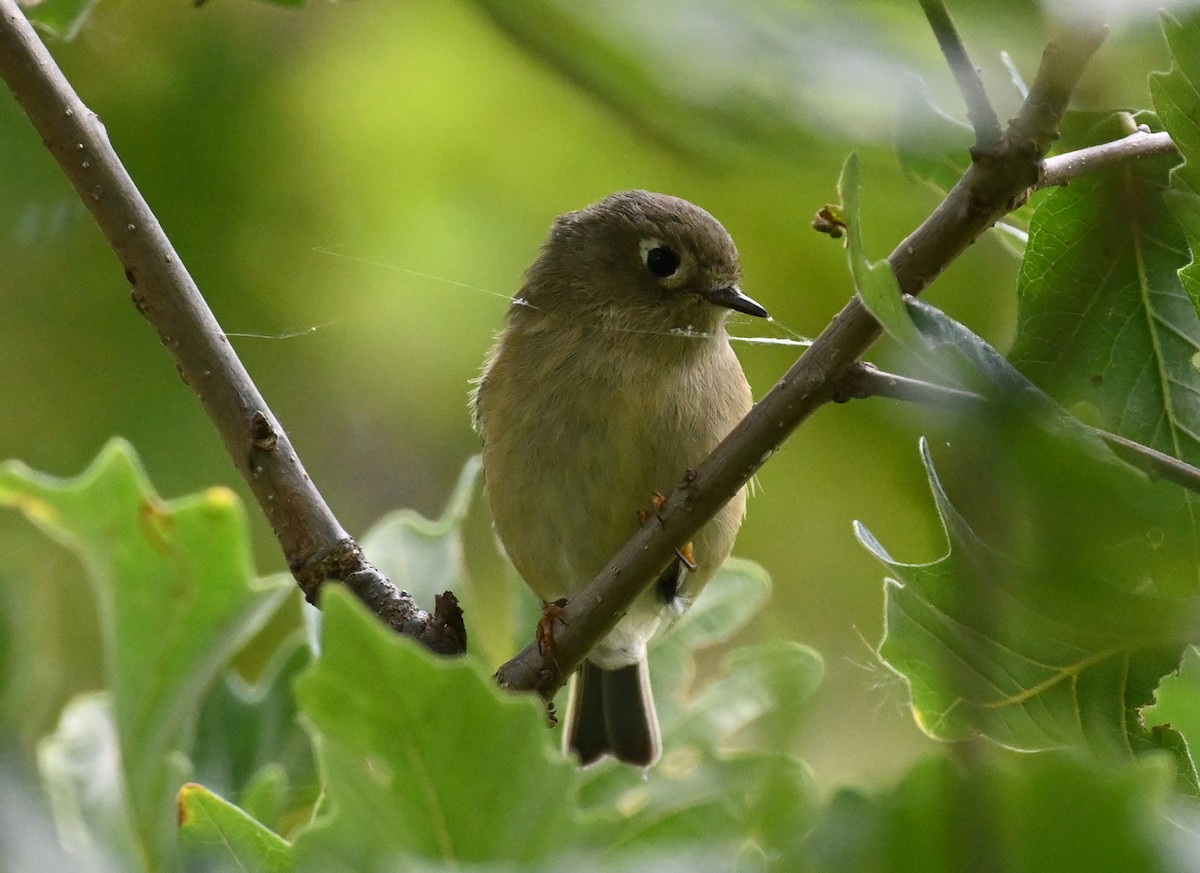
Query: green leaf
(425,557)
(873,280)
(1177,703)
(721,802)
(59,19)
(216,835)
(767,685)
(1011,813)
(700,792)
(250,747)
(266,794)
(1105,324)
(424,757)
(172,583)
(985,652)
(1177,102)
(1063,597)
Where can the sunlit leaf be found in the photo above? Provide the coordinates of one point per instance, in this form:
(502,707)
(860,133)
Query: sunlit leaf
(424,757)
(873,280)
(216,835)
(172,581)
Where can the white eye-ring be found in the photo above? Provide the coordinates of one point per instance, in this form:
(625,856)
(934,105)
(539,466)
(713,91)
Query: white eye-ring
(664,262)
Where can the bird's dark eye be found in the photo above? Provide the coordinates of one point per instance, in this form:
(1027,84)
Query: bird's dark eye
(662,261)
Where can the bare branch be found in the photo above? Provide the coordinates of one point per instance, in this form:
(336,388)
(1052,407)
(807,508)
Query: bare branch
(314,543)
(989,190)
(1061,169)
(1036,123)
(983,117)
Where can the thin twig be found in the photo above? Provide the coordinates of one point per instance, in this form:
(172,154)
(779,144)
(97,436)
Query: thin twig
(865,380)
(1061,169)
(1151,461)
(315,544)
(988,132)
(988,190)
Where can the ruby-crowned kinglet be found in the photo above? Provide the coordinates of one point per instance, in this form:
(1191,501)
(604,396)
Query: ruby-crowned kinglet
(613,376)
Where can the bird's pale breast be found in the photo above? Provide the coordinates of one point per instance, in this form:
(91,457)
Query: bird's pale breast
(572,452)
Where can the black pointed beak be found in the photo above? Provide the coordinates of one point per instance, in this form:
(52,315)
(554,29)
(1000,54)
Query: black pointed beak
(732,297)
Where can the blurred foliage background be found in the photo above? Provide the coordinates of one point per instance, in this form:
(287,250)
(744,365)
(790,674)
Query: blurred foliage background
(357,188)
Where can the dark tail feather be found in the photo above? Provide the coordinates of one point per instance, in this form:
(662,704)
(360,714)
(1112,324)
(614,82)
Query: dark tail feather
(612,713)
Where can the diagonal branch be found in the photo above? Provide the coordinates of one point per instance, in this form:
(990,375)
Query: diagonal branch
(314,543)
(987,191)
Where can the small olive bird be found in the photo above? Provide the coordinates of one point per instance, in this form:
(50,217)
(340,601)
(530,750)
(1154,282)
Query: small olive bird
(612,376)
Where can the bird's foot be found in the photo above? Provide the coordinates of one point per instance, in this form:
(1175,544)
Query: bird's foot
(684,553)
(551,612)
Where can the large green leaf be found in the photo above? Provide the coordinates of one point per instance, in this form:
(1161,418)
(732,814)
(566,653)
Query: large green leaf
(1106,327)
(1068,587)
(172,582)
(991,642)
(1012,813)
(1177,101)
(424,757)
(428,764)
